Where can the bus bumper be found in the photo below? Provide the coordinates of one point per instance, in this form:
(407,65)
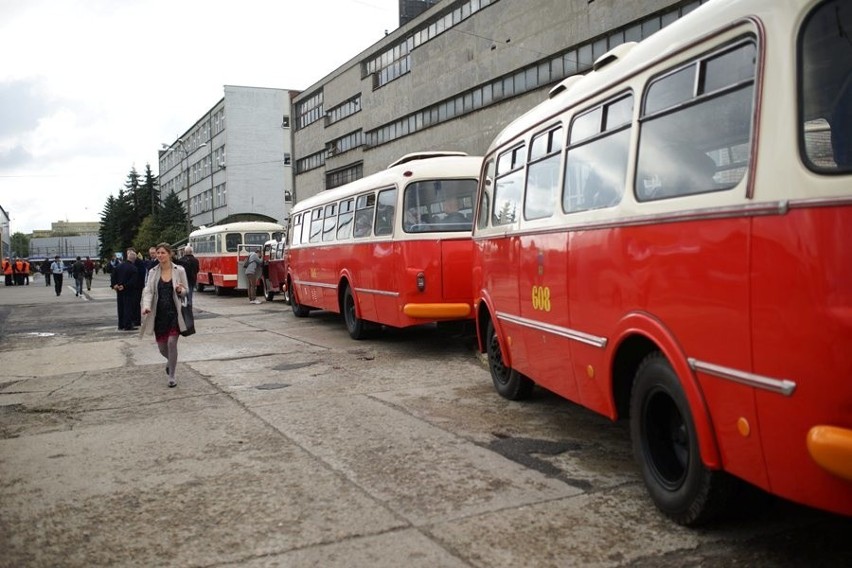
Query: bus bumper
(831,448)
(437,311)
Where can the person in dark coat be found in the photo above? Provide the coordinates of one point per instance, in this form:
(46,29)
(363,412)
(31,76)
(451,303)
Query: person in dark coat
(45,270)
(190,266)
(142,272)
(124,279)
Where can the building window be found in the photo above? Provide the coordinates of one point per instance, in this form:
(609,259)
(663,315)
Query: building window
(309,110)
(343,110)
(395,61)
(311,162)
(345,143)
(343,176)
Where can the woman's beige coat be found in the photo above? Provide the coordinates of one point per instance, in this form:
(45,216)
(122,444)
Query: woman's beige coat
(149,297)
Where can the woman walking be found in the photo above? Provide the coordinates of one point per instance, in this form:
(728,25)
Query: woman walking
(165,287)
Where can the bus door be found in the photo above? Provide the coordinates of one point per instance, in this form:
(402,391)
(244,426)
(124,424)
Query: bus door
(384,280)
(500,255)
(543,276)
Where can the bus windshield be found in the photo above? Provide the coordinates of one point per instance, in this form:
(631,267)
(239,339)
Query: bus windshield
(439,205)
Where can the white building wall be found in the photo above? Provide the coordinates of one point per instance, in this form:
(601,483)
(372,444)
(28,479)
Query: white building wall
(253,170)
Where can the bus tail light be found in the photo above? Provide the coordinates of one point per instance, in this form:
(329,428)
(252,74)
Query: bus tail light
(421,281)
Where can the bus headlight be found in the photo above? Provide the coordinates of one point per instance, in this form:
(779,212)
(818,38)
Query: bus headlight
(421,281)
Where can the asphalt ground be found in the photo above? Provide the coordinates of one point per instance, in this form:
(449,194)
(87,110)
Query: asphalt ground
(286,443)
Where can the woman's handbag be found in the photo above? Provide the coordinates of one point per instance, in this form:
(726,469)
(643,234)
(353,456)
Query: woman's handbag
(188,318)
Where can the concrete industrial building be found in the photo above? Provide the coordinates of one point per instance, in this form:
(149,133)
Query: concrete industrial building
(236,172)
(68,239)
(452,78)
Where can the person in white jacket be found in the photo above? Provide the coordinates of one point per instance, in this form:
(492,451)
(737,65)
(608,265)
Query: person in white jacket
(162,296)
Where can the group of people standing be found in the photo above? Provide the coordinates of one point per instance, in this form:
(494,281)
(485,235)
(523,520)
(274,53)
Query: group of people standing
(16,272)
(158,286)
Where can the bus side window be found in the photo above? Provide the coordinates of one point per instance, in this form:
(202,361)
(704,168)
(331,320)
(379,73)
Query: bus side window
(364,207)
(344,220)
(485,195)
(385,212)
(678,144)
(509,186)
(232,241)
(316,225)
(596,164)
(543,175)
(330,222)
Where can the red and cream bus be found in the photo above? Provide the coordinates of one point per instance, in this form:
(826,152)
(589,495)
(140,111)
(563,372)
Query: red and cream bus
(221,249)
(392,248)
(667,239)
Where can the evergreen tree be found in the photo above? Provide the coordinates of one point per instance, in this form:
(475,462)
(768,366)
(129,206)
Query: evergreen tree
(173,219)
(133,192)
(109,229)
(150,193)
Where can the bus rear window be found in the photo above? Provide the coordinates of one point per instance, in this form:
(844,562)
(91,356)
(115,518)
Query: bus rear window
(825,86)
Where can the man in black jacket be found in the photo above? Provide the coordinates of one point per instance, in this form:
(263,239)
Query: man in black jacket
(190,265)
(124,279)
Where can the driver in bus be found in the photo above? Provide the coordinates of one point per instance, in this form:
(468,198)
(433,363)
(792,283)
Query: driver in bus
(451,211)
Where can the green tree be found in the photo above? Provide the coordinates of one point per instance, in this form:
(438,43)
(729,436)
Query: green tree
(173,219)
(150,233)
(20,245)
(149,193)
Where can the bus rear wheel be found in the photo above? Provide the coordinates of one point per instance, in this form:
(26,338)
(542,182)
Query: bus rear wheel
(665,444)
(299,310)
(356,327)
(199,287)
(508,382)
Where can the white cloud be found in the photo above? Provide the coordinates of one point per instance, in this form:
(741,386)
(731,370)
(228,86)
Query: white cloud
(107,80)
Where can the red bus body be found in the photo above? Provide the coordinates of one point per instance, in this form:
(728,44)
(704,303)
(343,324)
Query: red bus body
(409,272)
(745,293)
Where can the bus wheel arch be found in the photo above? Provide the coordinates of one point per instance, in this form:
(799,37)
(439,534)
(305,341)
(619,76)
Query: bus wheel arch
(638,336)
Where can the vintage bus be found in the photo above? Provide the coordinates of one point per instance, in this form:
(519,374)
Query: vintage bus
(666,239)
(221,249)
(274,258)
(392,248)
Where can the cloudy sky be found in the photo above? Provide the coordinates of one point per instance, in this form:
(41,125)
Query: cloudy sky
(90,88)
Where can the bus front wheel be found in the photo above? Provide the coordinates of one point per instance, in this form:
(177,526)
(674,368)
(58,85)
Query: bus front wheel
(199,287)
(267,292)
(219,290)
(356,327)
(665,444)
(508,382)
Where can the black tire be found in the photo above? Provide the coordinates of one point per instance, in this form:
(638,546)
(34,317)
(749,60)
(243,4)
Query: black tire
(299,310)
(356,327)
(508,382)
(665,444)
(218,290)
(199,287)
(286,296)
(267,293)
